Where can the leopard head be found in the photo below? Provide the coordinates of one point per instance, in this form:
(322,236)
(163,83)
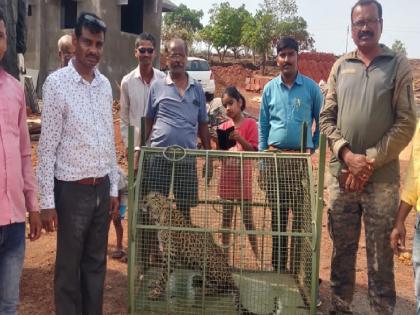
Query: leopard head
(156,205)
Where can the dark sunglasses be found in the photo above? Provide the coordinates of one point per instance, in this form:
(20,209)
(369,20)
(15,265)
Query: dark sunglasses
(143,50)
(94,20)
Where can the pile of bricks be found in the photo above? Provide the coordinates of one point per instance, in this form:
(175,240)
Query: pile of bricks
(256,83)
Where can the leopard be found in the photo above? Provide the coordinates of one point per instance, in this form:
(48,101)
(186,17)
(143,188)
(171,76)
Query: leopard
(197,251)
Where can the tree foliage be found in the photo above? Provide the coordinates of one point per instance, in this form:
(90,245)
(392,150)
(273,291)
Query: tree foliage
(234,29)
(205,36)
(297,28)
(399,47)
(259,33)
(274,19)
(183,22)
(225,27)
(280,9)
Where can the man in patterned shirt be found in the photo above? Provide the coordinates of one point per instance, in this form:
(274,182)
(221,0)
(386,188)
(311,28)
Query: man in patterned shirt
(77,172)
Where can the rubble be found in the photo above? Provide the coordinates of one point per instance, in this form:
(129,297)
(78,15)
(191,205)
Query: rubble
(316,65)
(232,75)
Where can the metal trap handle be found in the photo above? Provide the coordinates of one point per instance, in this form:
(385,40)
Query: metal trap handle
(174,158)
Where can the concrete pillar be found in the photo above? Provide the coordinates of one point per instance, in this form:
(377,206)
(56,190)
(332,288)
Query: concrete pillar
(152,23)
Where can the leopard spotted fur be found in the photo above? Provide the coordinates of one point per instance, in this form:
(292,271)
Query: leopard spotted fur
(193,250)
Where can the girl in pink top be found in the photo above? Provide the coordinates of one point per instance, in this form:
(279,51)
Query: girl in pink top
(231,187)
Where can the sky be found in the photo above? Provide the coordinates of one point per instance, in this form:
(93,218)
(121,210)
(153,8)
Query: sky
(328,21)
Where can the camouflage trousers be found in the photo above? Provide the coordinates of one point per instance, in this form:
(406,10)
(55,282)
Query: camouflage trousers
(377,205)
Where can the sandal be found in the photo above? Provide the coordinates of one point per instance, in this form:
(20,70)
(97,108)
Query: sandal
(118,254)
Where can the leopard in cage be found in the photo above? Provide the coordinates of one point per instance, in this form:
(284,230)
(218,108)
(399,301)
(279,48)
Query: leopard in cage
(188,248)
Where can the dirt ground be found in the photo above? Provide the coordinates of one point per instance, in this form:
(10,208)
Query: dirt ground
(37,277)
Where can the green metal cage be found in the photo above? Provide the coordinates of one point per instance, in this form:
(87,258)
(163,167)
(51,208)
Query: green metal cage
(216,232)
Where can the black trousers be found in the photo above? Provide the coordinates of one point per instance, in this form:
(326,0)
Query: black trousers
(82,238)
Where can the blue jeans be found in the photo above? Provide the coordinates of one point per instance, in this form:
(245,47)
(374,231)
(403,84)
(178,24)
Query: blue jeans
(12,252)
(416,262)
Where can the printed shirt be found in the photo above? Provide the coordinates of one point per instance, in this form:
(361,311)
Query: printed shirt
(176,117)
(283,111)
(77,135)
(134,93)
(411,188)
(17,181)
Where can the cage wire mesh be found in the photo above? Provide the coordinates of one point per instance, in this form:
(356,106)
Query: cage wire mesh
(217,232)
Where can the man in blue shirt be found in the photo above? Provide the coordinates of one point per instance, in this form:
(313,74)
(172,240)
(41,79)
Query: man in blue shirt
(288,101)
(175,114)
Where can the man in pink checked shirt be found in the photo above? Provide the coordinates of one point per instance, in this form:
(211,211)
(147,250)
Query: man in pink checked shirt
(17,185)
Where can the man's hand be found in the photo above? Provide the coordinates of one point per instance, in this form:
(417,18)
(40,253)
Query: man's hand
(398,237)
(35,225)
(352,183)
(358,164)
(49,219)
(398,232)
(113,208)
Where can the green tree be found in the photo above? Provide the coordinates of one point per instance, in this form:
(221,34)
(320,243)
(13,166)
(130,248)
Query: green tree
(296,27)
(399,47)
(281,9)
(219,15)
(238,21)
(183,22)
(259,33)
(249,37)
(205,36)
(225,28)
(274,19)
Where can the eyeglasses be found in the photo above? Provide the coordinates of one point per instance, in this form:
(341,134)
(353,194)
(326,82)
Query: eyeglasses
(176,57)
(369,23)
(94,20)
(143,50)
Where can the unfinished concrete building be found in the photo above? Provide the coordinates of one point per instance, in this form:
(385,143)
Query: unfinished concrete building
(48,20)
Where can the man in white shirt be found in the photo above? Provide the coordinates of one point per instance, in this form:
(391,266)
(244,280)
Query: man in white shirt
(134,92)
(135,86)
(77,171)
